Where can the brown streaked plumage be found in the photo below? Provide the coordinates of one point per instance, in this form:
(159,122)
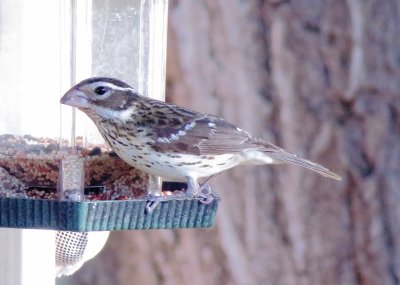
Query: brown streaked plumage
(171,141)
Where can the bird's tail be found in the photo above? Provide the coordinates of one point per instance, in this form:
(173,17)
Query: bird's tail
(284,156)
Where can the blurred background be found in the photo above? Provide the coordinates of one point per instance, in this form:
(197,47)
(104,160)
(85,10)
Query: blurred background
(319,78)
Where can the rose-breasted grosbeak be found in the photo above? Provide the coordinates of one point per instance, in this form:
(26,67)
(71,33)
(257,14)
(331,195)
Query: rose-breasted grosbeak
(169,141)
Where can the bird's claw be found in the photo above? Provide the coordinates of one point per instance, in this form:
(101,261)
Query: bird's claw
(206,199)
(205,194)
(150,206)
(152,203)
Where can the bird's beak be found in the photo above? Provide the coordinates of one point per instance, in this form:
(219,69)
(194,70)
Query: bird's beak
(75,98)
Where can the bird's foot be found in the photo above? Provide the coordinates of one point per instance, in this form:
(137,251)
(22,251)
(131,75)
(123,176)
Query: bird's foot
(196,190)
(205,194)
(154,191)
(153,202)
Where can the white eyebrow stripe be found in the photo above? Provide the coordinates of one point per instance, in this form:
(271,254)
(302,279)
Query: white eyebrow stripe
(123,88)
(113,86)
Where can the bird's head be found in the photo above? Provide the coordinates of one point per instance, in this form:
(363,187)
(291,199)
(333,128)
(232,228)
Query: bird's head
(100,95)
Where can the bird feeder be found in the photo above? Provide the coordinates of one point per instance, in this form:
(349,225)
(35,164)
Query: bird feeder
(56,172)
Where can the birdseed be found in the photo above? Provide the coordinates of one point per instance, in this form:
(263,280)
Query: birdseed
(29,168)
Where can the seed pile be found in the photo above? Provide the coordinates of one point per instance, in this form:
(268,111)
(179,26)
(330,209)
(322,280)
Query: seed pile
(29,167)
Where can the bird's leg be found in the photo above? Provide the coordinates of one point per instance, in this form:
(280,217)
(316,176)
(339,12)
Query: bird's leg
(155,184)
(199,190)
(154,191)
(193,188)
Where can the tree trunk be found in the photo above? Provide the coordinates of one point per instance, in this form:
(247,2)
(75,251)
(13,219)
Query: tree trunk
(319,78)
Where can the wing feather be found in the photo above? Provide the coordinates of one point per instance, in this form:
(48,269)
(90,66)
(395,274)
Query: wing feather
(206,135)
(285,156)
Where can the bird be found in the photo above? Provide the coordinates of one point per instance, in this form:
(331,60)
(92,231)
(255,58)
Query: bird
(173,142)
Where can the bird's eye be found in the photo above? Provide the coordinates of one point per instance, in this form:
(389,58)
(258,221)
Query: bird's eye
(101,90)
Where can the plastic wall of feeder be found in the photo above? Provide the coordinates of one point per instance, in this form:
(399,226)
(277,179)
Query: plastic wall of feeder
(29,88)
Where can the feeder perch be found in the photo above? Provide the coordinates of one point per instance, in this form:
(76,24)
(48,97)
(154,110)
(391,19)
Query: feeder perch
(175,212)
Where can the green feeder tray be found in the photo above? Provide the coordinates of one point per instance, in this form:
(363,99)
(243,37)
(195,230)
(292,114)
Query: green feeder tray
(172,213)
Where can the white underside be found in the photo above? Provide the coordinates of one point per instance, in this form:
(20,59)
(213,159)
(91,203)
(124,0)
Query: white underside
(177,168)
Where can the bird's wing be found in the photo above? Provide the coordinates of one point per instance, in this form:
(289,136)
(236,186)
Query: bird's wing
(199,134)
(205,135)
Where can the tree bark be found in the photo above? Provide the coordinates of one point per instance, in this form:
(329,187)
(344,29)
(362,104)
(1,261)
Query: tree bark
(319,78)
